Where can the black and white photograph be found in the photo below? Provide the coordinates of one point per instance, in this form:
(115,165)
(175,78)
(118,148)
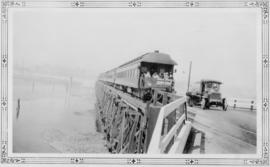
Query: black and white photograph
(135,82)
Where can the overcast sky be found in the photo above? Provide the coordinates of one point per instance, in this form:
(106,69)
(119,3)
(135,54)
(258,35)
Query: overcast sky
(221,43)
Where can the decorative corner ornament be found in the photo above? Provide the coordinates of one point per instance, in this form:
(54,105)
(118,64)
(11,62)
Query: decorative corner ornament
(192,4)
(5,160)
(262,161)
(265,11)
(6,4)
(264,5)
(257,161)
(4,152)
(266,150)
(9,4)
(135,4)
(4,10)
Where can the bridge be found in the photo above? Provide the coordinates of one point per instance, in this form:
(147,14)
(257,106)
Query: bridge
(215,131)
(167,125)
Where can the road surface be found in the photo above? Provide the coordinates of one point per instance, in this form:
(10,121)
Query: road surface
(216,131)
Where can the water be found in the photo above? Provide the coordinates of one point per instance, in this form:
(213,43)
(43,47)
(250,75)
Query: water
(54,117)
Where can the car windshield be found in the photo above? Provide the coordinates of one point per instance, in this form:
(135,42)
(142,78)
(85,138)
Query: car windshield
(212,86)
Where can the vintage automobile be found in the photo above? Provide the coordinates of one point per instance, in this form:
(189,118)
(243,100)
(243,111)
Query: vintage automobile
(206,93)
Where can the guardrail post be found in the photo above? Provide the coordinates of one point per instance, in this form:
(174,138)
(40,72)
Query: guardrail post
(252,105)
(234,105)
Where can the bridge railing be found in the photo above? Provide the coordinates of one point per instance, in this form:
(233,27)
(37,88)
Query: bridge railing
(242,103)
(171,130)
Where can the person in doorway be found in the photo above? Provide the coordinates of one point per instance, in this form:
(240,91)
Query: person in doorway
(155,75)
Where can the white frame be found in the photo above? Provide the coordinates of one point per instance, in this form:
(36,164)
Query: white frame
(8,157)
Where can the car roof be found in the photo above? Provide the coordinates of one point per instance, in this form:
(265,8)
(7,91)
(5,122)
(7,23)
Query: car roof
(210,80)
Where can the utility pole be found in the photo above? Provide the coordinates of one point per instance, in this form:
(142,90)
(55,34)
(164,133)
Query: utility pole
(190,65)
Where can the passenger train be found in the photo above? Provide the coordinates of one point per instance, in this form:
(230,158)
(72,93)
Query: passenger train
(142,75)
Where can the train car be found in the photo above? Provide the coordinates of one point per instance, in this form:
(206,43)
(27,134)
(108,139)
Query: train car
(108,77)
(141,75)
(137,109)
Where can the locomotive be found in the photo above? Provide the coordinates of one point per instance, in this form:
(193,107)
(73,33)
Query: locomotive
(142,75)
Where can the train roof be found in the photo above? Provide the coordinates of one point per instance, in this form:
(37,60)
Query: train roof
(153,57)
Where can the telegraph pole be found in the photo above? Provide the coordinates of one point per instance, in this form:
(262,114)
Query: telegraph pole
(190,65)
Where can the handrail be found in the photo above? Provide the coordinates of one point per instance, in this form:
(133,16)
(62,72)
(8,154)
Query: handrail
(242,103)
(165,141)
(155,143)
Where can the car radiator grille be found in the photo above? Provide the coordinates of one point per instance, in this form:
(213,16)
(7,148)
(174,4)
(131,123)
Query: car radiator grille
(215,96)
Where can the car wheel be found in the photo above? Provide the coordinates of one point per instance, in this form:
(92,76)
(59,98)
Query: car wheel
(224,105)
(190,103)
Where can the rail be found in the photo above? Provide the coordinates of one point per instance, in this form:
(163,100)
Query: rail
(172,139)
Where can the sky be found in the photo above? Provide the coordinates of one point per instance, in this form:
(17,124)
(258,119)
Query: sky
(221,43)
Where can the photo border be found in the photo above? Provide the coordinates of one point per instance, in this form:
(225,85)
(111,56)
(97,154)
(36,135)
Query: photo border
(6,158)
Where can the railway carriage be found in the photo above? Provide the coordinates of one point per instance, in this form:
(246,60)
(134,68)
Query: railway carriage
(133,125)
(108,77)
(143,74)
